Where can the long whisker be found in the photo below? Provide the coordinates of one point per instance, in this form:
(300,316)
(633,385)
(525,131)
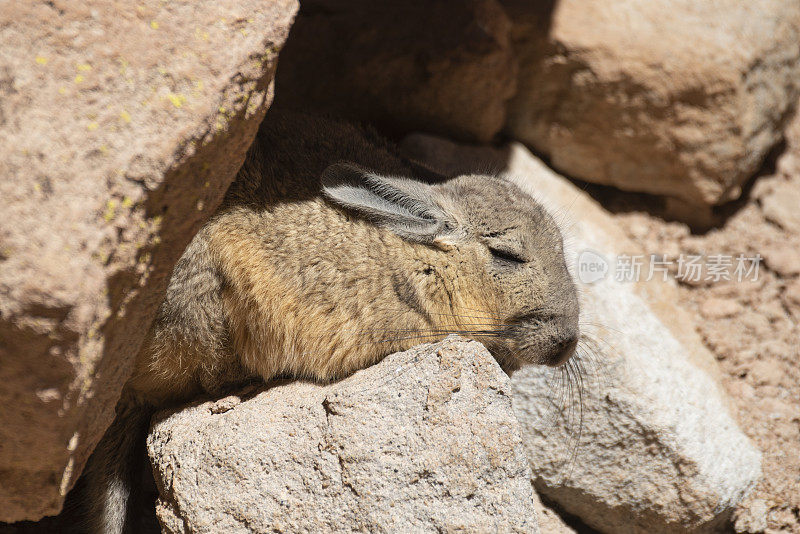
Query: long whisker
(507,352)
(600,325)
(589,354)
(402,330)
(429,334)
(576,446)
(559,401)
(568,421)
(443,314)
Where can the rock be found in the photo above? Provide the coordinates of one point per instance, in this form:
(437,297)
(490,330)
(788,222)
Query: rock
(450,71)
(753,519)
(716,308)
(649,446)
(766,372)
(122,128)
(792,294)
(678,98)
(783,258)
(549,521)
(788,163)
(780,204)
(424,441)
(646,444)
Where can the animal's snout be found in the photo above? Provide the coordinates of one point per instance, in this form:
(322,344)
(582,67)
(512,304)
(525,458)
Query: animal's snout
(547,339)
(562,334)
(568,332)
(564,351)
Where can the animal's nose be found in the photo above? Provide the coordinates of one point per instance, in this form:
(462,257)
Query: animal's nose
(565,350)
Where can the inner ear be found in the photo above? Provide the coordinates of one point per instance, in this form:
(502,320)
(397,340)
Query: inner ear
(405,206)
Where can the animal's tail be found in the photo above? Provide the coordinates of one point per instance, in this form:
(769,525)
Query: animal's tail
(114,473)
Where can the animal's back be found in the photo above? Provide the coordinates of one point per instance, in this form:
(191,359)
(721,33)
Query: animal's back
(272,241)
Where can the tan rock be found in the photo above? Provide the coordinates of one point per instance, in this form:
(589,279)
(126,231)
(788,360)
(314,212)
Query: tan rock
(122,126)
(788,163)
(758,325)
(782,204)
(751,519)
(783,258)
(715,308)
(445,67)
(679,98)
(425,441)
(792,294)
(766,372)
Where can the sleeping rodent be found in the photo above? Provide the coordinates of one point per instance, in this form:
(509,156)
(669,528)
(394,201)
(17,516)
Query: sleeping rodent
(330,251)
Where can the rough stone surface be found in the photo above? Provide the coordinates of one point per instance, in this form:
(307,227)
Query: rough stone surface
(792,295)
(784,261)
(649,446)
(450,71)
(425,441)
(647,443)
(719,307)
(756,348)
(549,520)
(122,126)
(780,206)
(678,98)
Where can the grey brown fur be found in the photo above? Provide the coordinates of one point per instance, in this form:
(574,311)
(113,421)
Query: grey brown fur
(329,252)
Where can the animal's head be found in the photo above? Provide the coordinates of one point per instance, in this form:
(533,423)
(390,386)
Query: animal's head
(490,255)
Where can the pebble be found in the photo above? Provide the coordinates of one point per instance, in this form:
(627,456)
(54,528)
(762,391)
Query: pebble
(780,206)
(717,308)
(784,260)
(763,372)
(792,294)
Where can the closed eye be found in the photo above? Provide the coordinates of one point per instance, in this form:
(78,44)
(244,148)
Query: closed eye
(506,256)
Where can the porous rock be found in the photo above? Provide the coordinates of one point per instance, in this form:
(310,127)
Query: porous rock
(644,441)
(782,258)
(122,126)
(780,204)
(679,98)
(445,67)
(792,295)
(424,441)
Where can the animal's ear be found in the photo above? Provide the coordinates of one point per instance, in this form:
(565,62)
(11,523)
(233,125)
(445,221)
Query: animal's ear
(404,206)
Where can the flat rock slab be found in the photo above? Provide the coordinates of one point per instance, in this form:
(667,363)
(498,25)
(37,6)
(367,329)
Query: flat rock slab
(122,126)
(424,441)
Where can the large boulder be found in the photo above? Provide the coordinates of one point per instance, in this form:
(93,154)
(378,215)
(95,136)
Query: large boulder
(122,126)
(446,67)
(636,435)
(680,98)
(425,441)
(648,445)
